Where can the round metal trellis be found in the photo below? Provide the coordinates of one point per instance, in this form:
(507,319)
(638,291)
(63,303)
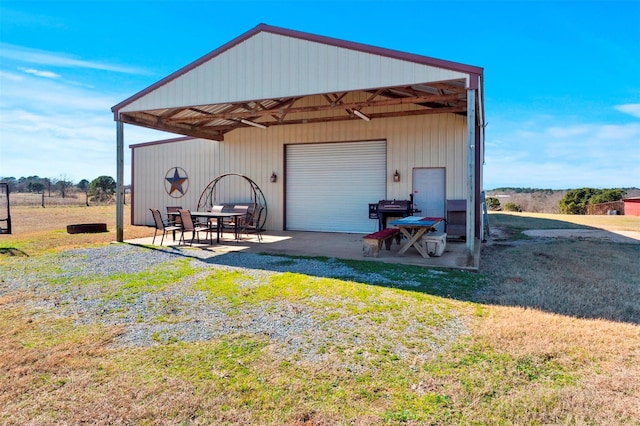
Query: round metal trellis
(234,188)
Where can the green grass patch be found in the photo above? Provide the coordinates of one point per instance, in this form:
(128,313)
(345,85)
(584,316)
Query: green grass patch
(243,375)
(223,285)
(448,283)
(347,297)
(438,282)
(467,384)
(123,286)
(127,287)
(485,375)
(45,266)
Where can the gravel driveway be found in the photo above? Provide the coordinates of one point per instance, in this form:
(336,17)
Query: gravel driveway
(46,286)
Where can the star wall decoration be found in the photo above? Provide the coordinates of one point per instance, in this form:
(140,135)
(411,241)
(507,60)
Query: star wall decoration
(176,182)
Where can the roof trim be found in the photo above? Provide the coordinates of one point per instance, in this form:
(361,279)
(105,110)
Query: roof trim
(394,54)
(365,48)
(162,142)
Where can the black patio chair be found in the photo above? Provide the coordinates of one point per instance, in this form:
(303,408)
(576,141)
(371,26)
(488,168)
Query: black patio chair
(189,226)
(173,216)
(161,226)
(254,225)
(213,222)
(238,223)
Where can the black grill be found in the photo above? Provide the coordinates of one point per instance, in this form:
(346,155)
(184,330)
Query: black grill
(385,209)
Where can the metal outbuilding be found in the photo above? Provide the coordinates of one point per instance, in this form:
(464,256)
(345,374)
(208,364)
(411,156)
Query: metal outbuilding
(323,126)
(631,206)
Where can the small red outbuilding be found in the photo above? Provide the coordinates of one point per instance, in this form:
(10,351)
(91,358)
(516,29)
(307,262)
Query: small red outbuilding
(632,206)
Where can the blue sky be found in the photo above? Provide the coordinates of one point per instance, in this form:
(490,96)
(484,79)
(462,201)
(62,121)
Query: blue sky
(562,78)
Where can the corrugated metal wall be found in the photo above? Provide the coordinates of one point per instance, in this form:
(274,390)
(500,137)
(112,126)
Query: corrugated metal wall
(417,141)
(328,184)
(268,66)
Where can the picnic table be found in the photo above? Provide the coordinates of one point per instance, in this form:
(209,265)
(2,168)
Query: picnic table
(413,228)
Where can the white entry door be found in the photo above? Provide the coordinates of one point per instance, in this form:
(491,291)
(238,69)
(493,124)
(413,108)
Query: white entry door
(429,192)
(329,185)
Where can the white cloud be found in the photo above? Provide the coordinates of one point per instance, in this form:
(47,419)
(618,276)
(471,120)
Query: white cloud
(81,145)
(59,59)
(50,128)
(631,109)
(10,77)
(45,74)
(618,132)
(565,156)
(23,91)
(567,132)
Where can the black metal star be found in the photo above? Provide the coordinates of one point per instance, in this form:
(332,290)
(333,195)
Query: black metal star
(176,182)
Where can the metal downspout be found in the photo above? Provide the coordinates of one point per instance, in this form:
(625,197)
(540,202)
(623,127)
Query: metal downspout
(471,189)
(119,182)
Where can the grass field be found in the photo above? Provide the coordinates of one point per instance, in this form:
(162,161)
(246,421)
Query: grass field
(548,334)
(517,222)
(37,230)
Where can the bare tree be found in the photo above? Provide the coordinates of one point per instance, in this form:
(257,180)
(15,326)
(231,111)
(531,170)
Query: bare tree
(63,185)
(83,186)
(48,184)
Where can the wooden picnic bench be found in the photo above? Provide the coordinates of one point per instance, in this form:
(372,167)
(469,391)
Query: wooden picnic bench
(373,242)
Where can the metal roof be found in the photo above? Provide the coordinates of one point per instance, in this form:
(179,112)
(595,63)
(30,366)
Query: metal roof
(269,76)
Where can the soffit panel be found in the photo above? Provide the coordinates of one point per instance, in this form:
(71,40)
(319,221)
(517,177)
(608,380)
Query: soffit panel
(214,121)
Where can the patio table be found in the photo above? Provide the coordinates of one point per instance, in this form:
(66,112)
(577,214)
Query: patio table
(219,216)
(413,228)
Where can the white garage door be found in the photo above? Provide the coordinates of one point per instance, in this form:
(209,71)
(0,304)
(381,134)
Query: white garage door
(330,185)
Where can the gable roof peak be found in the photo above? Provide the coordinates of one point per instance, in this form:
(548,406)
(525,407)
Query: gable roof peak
(472,71)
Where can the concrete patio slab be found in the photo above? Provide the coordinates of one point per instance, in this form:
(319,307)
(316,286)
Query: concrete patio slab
(326,244)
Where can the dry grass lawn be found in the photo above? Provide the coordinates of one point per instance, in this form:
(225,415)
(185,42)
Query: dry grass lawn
(37,229)
(575,301)
(554,338)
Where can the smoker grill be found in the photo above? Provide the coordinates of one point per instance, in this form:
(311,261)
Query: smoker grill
(385,209)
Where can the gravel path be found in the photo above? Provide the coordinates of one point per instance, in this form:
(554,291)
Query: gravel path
(54,285)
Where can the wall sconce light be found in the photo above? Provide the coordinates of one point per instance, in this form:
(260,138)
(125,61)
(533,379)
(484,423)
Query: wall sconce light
(396,176)
(274,177)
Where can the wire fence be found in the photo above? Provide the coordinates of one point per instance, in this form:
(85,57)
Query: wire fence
(30,199)
(614,207)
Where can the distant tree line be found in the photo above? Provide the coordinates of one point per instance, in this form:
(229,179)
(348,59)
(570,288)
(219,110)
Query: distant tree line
(577,200)
(573,201)
(101,189)
(524,190)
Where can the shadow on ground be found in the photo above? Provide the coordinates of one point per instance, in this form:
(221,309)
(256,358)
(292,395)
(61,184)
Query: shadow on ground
(562,268)
(11,251)
(579,271)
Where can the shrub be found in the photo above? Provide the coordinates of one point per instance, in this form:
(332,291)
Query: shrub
(576,200)
(512,207)
(493,203)
(102,188)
